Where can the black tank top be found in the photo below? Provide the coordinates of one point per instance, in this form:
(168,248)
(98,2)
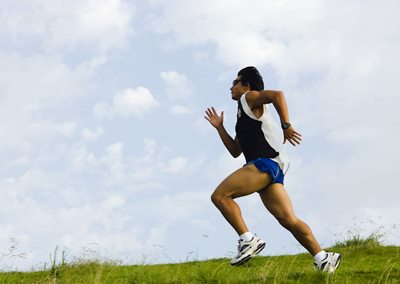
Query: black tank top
(252,137)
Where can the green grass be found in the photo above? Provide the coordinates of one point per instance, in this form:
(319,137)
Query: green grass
(364,260)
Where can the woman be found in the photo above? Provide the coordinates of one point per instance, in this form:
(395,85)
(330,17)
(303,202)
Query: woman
(266,164)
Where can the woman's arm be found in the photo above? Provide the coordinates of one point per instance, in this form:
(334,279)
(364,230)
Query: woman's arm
(216,120)
(256,99)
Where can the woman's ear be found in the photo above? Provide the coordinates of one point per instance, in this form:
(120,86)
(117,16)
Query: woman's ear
(247,85)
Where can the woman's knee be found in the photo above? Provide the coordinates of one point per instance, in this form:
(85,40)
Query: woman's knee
(288,221)
(218,197)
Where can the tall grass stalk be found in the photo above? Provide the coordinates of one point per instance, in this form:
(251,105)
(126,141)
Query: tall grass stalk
(371,241)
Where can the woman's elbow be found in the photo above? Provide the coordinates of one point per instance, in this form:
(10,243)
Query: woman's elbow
(236,154)
(279,95)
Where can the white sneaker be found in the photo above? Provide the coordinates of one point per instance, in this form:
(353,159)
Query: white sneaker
(248,250)
(329,264)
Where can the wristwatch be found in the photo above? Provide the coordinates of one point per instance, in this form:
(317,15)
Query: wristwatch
(286,125)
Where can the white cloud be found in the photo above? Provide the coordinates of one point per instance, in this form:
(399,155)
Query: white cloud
(67,128)
(126,103)
(253,49)
(112,202)
(179,88)
(236,42)
(114,163)
(176,165)
(40,97)
(324,38)
(92,135)
(134,102)
(67,25)
(62,195)
(40,81)
(180,110)
(153,161)
(82,160)
(38,101)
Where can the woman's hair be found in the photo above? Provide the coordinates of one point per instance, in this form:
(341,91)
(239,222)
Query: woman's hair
(251,76)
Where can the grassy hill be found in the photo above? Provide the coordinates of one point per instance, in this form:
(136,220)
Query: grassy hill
(363,261)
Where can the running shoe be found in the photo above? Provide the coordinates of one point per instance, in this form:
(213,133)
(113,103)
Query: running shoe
(329,264)
(248,250)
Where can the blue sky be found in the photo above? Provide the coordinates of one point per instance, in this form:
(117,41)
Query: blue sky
(105,152)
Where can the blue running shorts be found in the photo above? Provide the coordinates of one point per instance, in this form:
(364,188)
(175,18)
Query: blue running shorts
(270,167)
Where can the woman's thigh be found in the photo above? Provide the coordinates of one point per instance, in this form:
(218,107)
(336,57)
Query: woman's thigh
(277,201)
(244,181)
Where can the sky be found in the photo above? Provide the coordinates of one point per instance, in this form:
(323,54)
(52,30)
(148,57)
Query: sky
(105,153)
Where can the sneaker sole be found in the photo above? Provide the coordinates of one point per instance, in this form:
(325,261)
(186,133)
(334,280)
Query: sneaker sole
(337,264)
(259,248)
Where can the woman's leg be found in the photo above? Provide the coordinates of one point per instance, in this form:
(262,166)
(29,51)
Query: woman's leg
(244,181)
(277,201)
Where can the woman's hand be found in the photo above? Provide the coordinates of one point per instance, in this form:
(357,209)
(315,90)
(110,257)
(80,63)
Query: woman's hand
(292,136)
(213,117)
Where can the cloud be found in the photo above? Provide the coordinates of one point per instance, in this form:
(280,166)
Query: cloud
(180,110)
(114,162)
(135,102)
(247,41)
(59,189)
(67,26)
(155,160)
(127,103)
(325,38)
(92,135)
(176,165)
(40,81)
(253,50)
(67,128)
(179,88)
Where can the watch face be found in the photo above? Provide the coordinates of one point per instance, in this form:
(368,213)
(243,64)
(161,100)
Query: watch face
(286,125)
